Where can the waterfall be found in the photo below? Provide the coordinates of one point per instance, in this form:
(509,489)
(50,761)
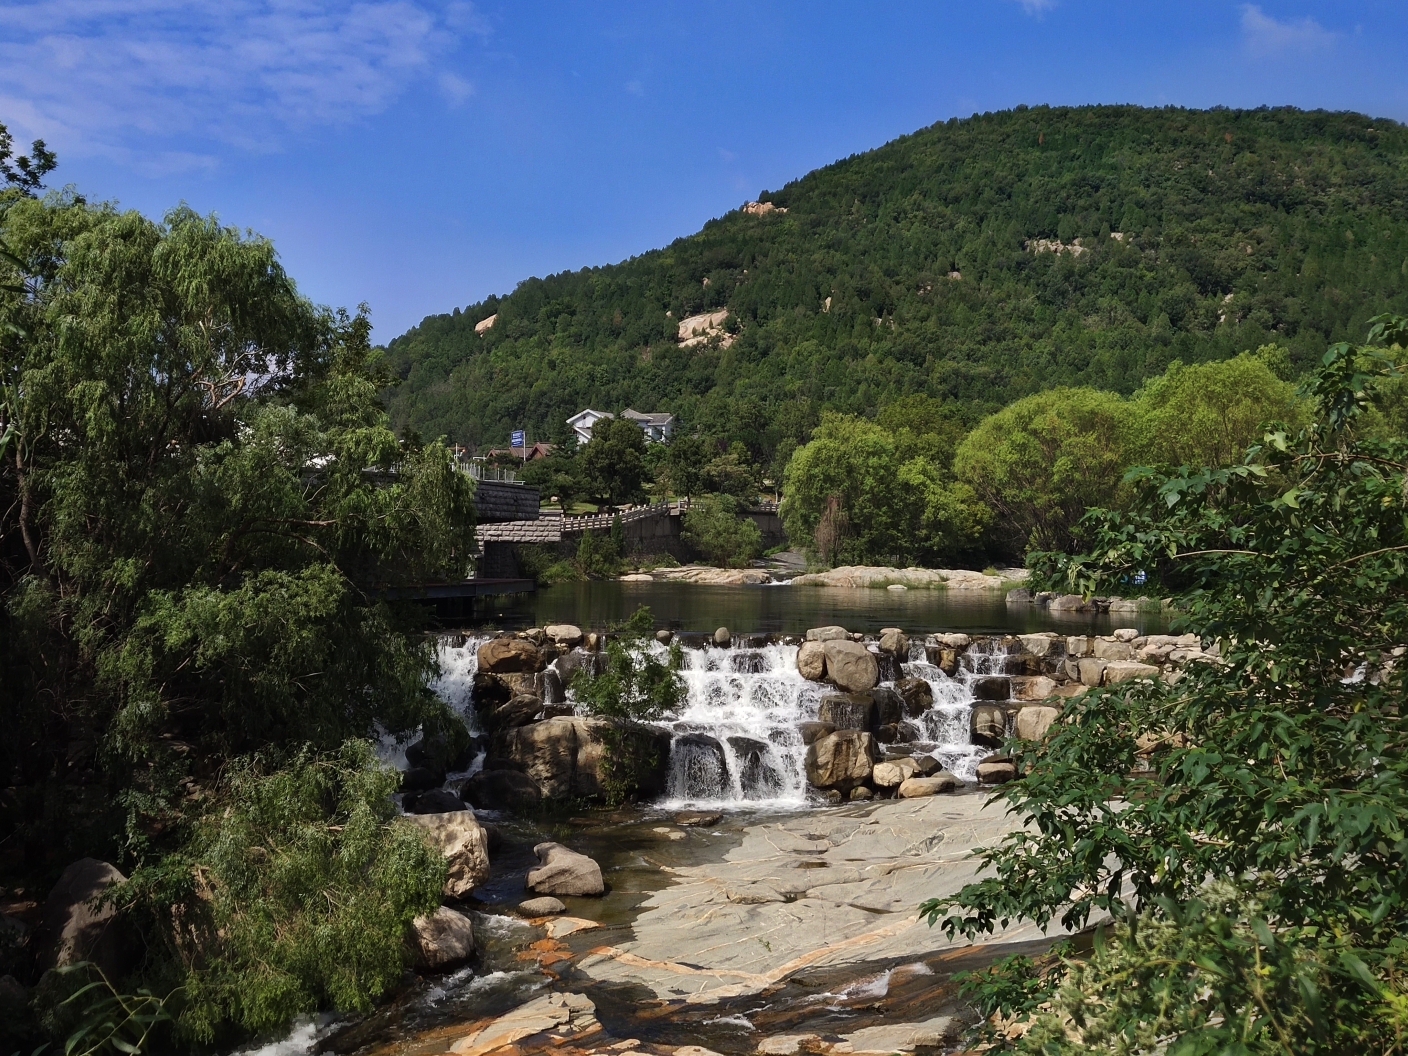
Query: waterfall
(947,726)
(459,660)
(736,740)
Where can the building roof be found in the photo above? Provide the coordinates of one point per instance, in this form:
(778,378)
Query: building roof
(589,415)
(653,418)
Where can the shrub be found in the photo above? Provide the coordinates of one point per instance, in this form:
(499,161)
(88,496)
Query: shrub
(714,528)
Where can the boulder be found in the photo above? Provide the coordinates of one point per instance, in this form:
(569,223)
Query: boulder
(444,939)
(546,906)
(1091,670)
(566,635)
(888,733)
(954,641)
(436,801)
(915,787)
(850,666)
(547,752)
(848,711)
(1045,644)
(827,634)
(1077,646)
(1032,687)
(502,656)
(1034,722)
(700,759)
(916,696)
(758,774)
(811,661)
(664,636)
(894,773)
(1110,649)
(811,731)
(502,790)
(564,872)
(992,687)
(1069,603)
(722,637)
(71,930)
(861,792)
(988,725)
(517,711)
(459,837)
(926,766)
(1123,670)
(895,642)
(650,746)
(996,771)
(698,819)
(421,779)
(841,760)
(1124,634)
(889,705)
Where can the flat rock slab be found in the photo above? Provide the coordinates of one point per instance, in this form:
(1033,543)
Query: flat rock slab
(822,889)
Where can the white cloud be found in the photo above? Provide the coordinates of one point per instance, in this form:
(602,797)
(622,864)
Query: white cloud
(116,77)
(1265,35)
(1037,7)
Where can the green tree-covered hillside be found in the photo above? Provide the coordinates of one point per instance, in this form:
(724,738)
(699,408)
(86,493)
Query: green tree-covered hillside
(927,266)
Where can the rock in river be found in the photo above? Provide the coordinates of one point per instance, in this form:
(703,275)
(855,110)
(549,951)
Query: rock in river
(564,872)
(841,760)
(464,843)
(850,666)
(502,656)
(811,661)
(442,940)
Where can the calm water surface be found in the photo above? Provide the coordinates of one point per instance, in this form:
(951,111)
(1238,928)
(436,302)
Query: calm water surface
(785,609)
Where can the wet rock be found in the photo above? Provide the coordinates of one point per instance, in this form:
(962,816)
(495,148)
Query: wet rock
(436,801)
(554,688)
(832,795)
(1106,649)
(860,792)
(1123,670)
(916,696)
(1077,646)
(992,687)
(889,733)
(926,765)
(1032,687)
(894,773)
(70,930)
(459,837)
(789,1044)
(811,661)
(503,790)
(827,634)
(1124,634)
(841,760)
(689,819)
(1069,603)
(566,635)
(518,711)
(954,641)
(501,656)
(547,752)
(444,939)
(564,872)
(649,745)
(1035,721)
(699,760)
(547,906)
(988,725)
(1045,644)
(435,754)
(421,778)
(758,776)
(895,642)
(889,705)
(917,787)
(664,637)
(934,1033)
(850,666)
(722,637)
(565,1016)
(811,731)
(848,711)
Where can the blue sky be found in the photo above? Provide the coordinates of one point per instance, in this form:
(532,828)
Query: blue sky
(422,154)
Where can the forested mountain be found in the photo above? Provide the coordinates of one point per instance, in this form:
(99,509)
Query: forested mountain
(977,260)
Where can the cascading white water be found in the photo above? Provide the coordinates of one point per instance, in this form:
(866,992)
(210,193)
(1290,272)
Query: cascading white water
(948,724)
(736,739)
(459,661)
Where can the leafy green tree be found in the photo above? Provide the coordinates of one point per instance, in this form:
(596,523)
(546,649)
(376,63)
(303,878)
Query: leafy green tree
(559,474)
(612,465)
(1207,414)
(1254,858)
(636,687)
(714,527)
(684,465)
(733,473)
(1040,463)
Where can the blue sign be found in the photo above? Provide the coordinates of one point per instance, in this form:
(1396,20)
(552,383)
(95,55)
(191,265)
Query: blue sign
(519,439)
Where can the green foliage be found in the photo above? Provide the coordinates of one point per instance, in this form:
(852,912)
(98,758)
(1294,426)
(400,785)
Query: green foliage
(611,467)
(294,894)
(1209,413)
(846,303)
(1040,463)
(94,1017)
(1282,772)
(714,527)
(636,686)
(597,556)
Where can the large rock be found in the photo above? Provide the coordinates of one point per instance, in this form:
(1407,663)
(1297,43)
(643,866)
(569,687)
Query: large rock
(1091,670)
(564,872)
(1118,671)
(1108,649)
(566,635)
(916,696)
(444,939)
(841,760)
(850,666)
(435,801)
(502,656)
(1034,722)
(722,637)
(502,790)
(1032,687)
(1069,603)
(827,634)
(811,731)
(988,725)
(1046,644)
(895,642)
(811,661)
(758,774)
(546,906)
(848,711)
(916,787)
(517,711)
(893,773)
(462,841)
(547,752)
(992,687)
(71,930)
(996,771)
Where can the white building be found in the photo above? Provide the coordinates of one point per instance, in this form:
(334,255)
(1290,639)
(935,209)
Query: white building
(657,427)
(582,423)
